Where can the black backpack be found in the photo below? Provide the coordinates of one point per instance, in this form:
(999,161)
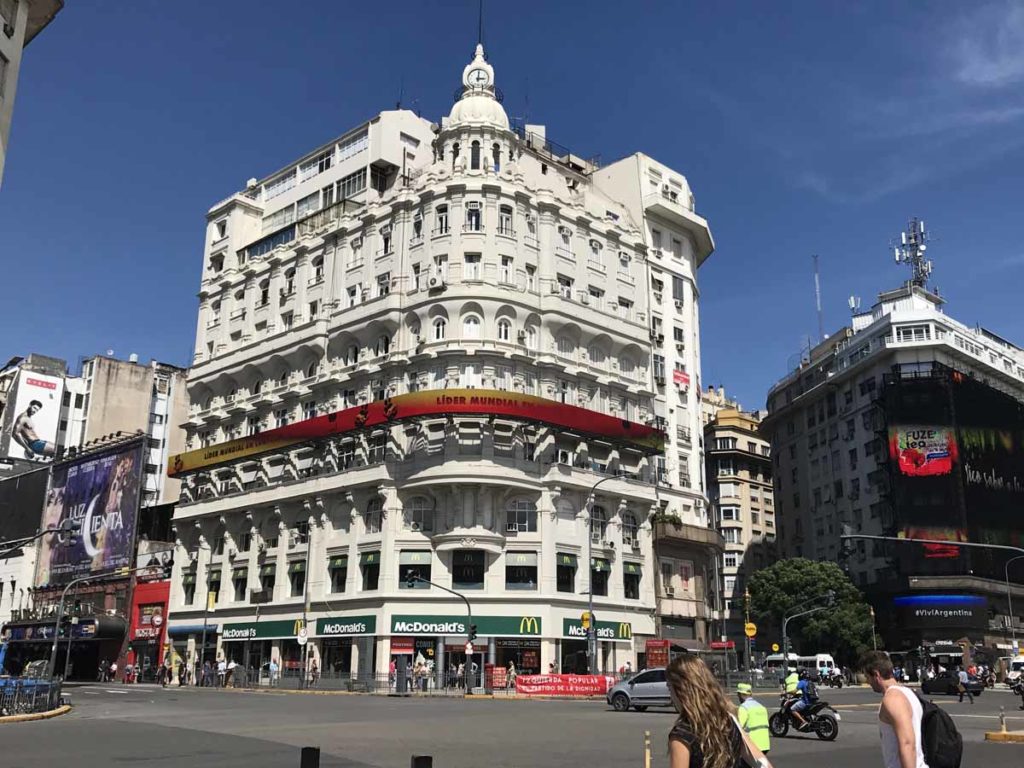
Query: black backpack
(812,690)
(940,740)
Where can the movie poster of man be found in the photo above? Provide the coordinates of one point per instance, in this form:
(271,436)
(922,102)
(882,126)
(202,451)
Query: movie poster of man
(100,494)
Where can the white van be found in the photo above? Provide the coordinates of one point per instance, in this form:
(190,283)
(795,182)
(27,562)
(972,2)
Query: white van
(1015,669)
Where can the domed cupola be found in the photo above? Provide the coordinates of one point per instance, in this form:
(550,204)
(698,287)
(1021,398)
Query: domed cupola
(479,105)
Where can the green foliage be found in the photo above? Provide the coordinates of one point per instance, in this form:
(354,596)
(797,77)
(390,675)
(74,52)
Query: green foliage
(844,630)
(669,518)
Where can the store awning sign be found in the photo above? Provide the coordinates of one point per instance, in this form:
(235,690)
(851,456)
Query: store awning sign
(610,631)
(486,626)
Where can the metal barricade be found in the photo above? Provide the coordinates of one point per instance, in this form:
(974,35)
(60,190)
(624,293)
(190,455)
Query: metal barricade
(23,696)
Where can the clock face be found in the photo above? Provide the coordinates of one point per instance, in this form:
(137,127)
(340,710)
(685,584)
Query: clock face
(479,77)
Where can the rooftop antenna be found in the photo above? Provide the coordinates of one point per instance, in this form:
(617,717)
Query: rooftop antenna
(401,92)
(854,302)
(480,25)
(911,250)
(817,300)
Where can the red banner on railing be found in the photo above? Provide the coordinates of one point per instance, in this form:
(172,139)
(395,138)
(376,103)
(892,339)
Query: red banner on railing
(563,685)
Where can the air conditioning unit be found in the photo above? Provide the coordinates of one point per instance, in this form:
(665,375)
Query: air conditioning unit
(564,457)
(556,288)
(232,553)
(414,526)
(660,380)
(669,591)
(435,281)
(584,298)
(679,303)
(680,346)
(521,336)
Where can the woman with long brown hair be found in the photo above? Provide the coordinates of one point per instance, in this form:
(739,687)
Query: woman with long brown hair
(706,735)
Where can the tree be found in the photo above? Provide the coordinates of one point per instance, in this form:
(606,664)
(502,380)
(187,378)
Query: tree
(844,630)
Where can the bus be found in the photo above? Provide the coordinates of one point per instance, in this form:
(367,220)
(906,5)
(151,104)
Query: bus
(817,666)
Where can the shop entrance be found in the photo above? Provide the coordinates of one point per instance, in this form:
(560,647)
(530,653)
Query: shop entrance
(525,654)
(336,657)
(574,657)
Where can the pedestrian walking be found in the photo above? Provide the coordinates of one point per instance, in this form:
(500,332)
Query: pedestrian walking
(753,717)
(510,676)
(229,677)
(204,675)
(961,686)
(899,715)
(222,673)
(274,670)
(706,734)
(101,673)
(314,672)
(460,675)
(113,671)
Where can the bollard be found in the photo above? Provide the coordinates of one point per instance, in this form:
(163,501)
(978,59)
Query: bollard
(310,757)
(422,761)
(647,749)
(1002,719)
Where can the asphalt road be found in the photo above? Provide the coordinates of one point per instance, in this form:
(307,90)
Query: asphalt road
(146,726)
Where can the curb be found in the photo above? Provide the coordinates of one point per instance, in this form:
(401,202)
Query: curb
(1006,737)
(62,710)
(488,696)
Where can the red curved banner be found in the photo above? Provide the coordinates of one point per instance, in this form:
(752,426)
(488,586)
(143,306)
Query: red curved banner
(438,402)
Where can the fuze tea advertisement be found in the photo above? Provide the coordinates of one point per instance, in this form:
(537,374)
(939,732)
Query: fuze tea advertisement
(920,451)
(100,494)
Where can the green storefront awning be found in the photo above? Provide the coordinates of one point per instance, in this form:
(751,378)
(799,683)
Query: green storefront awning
(267,570)
(564,558)
(414,557)
(369,558)
(298,566)
(521,558)
(633,568)
(600,565)
(338,562)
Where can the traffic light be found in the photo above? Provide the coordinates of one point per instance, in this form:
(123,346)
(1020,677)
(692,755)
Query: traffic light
(472,632)
(410,578)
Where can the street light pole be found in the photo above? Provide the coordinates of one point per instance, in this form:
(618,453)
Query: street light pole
(830,596)
(411,577)
(56,623)
(592,631)
(206,613)
(874,638)
(1009,598)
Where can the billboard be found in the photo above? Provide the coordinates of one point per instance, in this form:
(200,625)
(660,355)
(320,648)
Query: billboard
(920,451)
(936,551)
(934,611)
(31,417)
(153,560)
(100,494)
(475,402)
(21,503)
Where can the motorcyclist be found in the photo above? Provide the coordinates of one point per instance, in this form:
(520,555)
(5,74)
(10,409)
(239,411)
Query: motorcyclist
(807,696)
(791,681)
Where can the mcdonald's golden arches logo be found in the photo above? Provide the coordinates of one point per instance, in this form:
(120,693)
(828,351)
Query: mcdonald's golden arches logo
(298,626)
(625,630)
(528,625)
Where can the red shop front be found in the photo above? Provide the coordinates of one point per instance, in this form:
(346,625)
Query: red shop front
(148,629)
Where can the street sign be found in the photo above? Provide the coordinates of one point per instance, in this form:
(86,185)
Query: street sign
(775,647)
(157,619)
(585,620)
(302,637)
(750,629)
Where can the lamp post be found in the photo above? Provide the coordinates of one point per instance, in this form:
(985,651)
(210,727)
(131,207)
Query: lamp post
(830,596)
(874,639)
(201,656)
(1009,598)
(592,631)
(746,620)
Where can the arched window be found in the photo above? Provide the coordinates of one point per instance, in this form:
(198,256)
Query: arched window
(565,346)
(318,269)
(531,337)
(504,330)
(374,515)
(455,153)
(289,282)
(505,220)
(598,524)
(264,292)
(628,366)
(383,344)
(521,516)
(496,154)
(628,529)
(257,386)
(352,354)
(441,219)
(421,514)
(311,370)
(440,326)
(597,356)
(470,327)
(474,156)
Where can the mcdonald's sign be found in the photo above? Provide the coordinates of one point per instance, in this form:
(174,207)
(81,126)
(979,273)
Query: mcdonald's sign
(529,625)
(299,624)
(609,631)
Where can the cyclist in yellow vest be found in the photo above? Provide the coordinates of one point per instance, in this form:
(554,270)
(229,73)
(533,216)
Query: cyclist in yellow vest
(792,680)
(753,717)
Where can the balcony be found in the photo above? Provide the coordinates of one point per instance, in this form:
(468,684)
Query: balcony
(684,533)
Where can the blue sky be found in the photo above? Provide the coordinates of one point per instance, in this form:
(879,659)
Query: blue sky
(803,128)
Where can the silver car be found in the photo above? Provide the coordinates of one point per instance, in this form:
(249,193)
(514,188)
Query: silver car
(648,688)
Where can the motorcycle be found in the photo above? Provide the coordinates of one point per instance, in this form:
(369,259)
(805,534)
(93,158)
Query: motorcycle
(833,681)
(822,720)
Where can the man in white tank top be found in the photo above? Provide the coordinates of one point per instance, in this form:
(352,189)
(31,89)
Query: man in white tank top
(899,716)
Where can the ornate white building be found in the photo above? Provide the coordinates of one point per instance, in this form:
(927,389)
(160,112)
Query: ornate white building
(419,349)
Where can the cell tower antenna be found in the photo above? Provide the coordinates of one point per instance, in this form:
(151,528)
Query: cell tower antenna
(910,251)
(817,300)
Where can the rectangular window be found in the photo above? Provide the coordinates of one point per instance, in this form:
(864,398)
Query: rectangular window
(631,582)
(731,561)
(413,565)
(307,205)
(599,570)
(468,567)
(338,568)
(731,513)
(279,186)
(732,535)
(352,184)
(297,578)
(566,573)
(384,284)
(678,290)
(521,571)
(725,467)
(472,266)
